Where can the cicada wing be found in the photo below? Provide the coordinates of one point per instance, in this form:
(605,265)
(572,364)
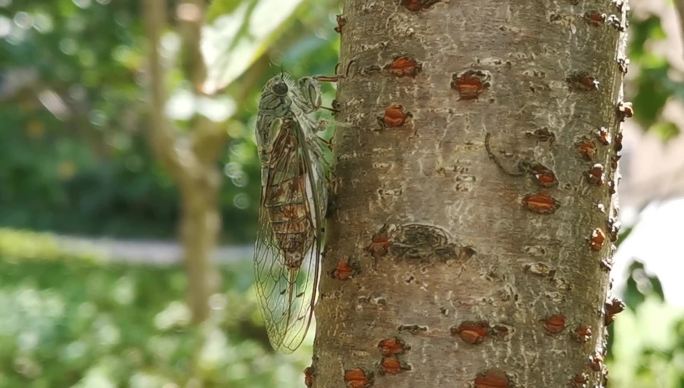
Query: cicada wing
(263,131)
(287,296)
(289,240)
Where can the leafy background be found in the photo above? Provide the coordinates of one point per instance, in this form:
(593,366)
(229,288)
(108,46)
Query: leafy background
(75,160)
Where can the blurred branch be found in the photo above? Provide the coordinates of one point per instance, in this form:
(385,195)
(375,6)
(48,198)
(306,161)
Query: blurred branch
(679,5)
(180,162)
(190,14)
(155,22)
(192,159)
(208,137)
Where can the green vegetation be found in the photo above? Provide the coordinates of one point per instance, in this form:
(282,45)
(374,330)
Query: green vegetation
(77,321)
(648,347)
(73,131)
(647,339)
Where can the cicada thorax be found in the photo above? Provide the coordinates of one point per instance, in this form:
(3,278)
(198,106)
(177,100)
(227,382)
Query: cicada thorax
(308,97)
(282,98)
(287,203)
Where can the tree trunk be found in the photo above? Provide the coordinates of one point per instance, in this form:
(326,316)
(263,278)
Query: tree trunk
(192,160)
(200,226)
(474,201)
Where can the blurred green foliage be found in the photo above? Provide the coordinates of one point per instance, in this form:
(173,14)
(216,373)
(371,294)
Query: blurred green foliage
(20,245)
(75,160)
(653,80)
(647,339)
(71,145)
(72,113)
(84,323)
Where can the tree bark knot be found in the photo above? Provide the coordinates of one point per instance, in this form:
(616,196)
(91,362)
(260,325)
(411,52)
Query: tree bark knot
(420,241)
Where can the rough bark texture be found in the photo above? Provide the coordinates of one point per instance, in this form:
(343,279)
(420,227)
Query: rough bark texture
(473,194)
(192,159)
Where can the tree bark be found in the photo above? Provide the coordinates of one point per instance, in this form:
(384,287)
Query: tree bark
(200,225)
(192,160)
(474,195)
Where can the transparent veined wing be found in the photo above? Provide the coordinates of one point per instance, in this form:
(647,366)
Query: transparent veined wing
(290,236)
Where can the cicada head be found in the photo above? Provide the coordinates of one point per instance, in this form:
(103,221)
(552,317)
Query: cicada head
(311,92)
(278,86)
(276,96)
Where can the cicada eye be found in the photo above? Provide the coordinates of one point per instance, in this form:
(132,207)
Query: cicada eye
(280,88)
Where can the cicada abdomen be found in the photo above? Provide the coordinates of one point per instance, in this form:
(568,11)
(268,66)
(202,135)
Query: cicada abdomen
(293,203)
(286,199)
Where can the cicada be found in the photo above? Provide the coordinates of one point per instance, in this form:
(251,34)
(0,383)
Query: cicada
(292,207)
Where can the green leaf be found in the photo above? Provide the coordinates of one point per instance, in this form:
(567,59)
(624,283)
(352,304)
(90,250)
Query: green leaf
(624,234)
(641,32)
(654,89)
(641,285)
(666,130)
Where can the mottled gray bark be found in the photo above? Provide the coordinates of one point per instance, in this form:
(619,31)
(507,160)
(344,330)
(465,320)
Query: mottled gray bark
(470,239)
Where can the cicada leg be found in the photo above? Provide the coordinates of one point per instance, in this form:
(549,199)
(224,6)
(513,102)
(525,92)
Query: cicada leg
(333,110)
(327,143)
(328,78)
(337,76)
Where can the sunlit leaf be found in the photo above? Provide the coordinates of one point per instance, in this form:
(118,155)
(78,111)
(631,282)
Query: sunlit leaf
(222,7)
(232,42)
